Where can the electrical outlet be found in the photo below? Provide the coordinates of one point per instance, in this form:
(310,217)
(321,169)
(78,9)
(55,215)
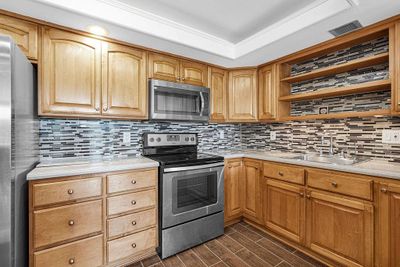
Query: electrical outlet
(221,134)
(391,136)
(126,138)
(273,135)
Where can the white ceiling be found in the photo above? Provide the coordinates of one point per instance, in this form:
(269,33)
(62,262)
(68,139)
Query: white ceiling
(229,33)
(225,19)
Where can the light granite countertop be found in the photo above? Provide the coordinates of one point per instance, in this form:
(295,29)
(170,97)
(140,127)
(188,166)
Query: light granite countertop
(373,167)
(80,166)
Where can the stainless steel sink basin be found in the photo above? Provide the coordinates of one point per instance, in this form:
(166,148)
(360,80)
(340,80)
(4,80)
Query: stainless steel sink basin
(330,159)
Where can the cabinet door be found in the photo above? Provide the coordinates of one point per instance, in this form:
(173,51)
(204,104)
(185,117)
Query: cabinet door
(194,73)
(252,190)
(394,46)
(70,74)
(267,101)
(124,87)
(233,192)
(218,86)
(284,209)
(164,67)
(24,34)
(388,247)
(340,229)
(242,95)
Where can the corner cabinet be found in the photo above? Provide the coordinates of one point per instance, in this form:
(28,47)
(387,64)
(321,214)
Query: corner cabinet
(173,69)
(85,77)
(232,188)
(388,243)
(267,93)
(217,82)
(242,96)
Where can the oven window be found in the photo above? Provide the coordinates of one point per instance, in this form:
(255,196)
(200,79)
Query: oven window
(172,101)
(194,191)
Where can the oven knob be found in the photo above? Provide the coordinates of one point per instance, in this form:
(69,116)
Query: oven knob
(192,139)
(187,139)
(151,140)
(158,139)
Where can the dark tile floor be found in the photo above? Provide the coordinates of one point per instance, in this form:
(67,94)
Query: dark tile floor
(241,245)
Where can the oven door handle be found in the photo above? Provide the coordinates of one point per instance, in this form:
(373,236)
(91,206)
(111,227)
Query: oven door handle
(197,167)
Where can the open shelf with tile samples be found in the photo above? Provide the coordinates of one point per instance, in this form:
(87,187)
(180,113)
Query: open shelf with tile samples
(348,78)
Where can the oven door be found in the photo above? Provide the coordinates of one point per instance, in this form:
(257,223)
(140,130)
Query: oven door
(191,192)
(175,101)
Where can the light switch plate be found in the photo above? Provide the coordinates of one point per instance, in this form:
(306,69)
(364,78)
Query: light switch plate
(391,136)
(273,135)
(126,138)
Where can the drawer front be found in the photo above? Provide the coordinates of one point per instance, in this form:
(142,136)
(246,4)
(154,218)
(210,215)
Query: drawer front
(131,202)
(67,222)
(131,181)
(129,223)
(284,172)
(58,192)
(341,183)
(131,245)
(83,253)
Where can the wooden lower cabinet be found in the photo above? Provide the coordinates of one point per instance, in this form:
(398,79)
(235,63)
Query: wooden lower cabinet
(252,190)
(388,230)
(83,226)
(232,188)
(340,229)
(284,209)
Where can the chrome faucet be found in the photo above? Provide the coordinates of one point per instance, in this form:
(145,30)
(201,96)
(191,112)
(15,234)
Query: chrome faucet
(331,152)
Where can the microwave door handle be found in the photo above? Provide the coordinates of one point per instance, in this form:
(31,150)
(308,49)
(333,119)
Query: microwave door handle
(202,103)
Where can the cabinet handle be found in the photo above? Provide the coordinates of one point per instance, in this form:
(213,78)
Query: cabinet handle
(97,109)
(105,108)
(133,245)
(308,196)
(133,181)
(183,79)
(384,190)
(280,173)
(178,79)
(71,222)
(133,202)
(70,191)
(334,184)
(133,223)
(71,261)
(301,194)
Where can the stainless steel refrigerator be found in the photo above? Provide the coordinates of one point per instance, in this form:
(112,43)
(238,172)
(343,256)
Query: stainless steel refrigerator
(18,150)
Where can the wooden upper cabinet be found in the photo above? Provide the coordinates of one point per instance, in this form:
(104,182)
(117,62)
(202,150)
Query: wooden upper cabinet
(340,229)
(164,67)
(394,47)
(242,95)
(70,74)
(232,188)
(284,209)
(217,82)
(24,34)
(193,73)
(388,243)
(124,90)
(252,190)
(267,102)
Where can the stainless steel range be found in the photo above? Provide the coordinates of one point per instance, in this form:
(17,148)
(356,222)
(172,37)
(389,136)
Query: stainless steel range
(191,191)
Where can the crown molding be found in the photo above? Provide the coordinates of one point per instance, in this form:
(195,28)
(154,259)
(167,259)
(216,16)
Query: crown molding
(121,14)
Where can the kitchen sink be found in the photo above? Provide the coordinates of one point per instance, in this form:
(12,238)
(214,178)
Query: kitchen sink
(330,159)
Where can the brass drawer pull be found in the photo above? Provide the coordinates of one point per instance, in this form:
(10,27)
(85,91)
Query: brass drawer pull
(70,191)
(309,196)
(280,173)
(133,202)
(133,181)
(334,184)
(71,261)
(133,222)
(301,194)
(134,245)
(71,222)
(384,190)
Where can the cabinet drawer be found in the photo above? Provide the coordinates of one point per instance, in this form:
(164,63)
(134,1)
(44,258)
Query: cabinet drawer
(67,222)
(131,202)
(132,222)
(63,191)
(346,184)
(131,181)
(87,252)
(131,245)
(284,172)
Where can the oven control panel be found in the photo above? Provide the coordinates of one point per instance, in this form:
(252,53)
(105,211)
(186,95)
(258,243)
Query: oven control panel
(170,139)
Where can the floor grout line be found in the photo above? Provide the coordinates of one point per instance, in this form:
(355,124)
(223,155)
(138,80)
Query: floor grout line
(198,256)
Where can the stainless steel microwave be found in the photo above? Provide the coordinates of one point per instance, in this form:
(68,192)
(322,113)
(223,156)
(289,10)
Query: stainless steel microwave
(171,101)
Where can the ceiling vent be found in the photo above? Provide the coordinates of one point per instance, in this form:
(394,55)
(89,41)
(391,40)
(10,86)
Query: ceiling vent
(349,27)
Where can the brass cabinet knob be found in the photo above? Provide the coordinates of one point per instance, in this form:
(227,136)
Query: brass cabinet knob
(133,222)
(70,191)
(301,194)
(178,78)
(280,173)
(133,181)
(308,196)
(384,190)
(71,222)
(183,79)
(133,202)
(71,261)
(133,245)
(334,184)
(105,108)
(97,109)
